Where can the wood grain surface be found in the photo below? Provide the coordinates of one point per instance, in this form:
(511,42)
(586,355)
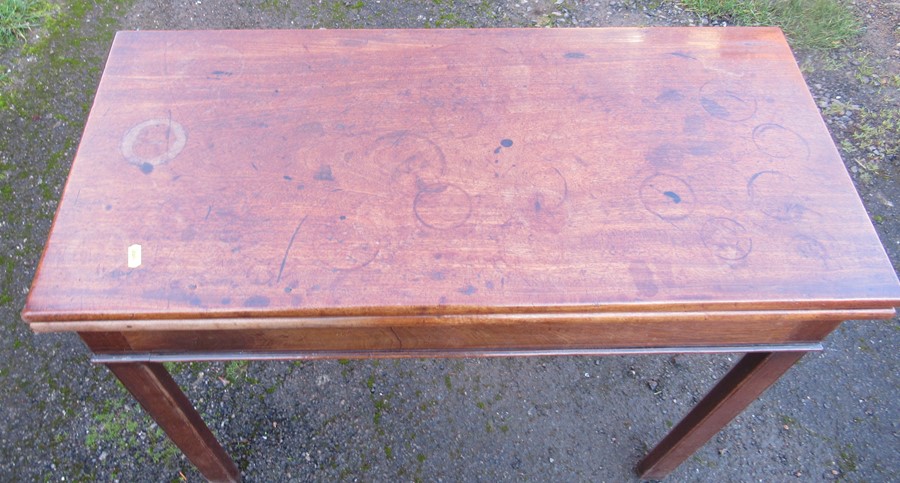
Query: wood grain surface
(380,173)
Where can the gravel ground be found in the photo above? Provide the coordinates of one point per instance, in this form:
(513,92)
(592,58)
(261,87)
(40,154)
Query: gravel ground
(834,416)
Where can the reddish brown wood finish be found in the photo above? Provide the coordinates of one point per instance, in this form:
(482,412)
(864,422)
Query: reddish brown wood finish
(484,336)
(752,375)
(154,388)
(387,191)
(363,173)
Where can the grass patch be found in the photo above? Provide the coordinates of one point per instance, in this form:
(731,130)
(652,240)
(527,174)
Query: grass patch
(20,16)
(817,24)
(752,12)
(820,24)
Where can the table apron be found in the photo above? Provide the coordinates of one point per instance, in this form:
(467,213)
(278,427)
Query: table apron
(481,338)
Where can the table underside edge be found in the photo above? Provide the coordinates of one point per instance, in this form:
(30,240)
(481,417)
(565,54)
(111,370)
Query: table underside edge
(130,357)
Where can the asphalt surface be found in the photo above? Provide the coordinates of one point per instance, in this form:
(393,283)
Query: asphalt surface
(834,415)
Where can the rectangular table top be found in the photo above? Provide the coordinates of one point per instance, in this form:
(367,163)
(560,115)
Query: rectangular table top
(234,174)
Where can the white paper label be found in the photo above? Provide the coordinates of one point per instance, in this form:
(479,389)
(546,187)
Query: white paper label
(134,256)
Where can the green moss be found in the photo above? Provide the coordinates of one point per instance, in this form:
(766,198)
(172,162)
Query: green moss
(420,458)
(162,452)
(279,6)
(486,10)
(873,139)
(175,367)
(878,129)
(118,430)
(239,371)
(6,193)
(863,343)
(380,406)
(448,382)
(334,13)
(848,460)
(6,269)
(235,370)
(450,20)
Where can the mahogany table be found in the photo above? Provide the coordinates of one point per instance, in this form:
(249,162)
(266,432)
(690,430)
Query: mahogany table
(340,194)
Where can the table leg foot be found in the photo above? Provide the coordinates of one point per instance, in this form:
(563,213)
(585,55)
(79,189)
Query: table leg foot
(749,378)
(153,387)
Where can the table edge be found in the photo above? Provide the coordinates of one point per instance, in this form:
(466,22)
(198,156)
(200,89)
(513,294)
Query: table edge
(351,322)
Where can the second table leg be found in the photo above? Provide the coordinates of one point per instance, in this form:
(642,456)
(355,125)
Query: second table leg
(752,375)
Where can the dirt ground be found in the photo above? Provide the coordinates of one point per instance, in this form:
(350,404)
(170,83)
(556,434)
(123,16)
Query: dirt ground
(834,416)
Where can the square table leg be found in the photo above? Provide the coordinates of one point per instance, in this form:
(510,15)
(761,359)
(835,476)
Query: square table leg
(153,386)
(749,378)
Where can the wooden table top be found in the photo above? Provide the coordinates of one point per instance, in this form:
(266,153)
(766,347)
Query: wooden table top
(311,173)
